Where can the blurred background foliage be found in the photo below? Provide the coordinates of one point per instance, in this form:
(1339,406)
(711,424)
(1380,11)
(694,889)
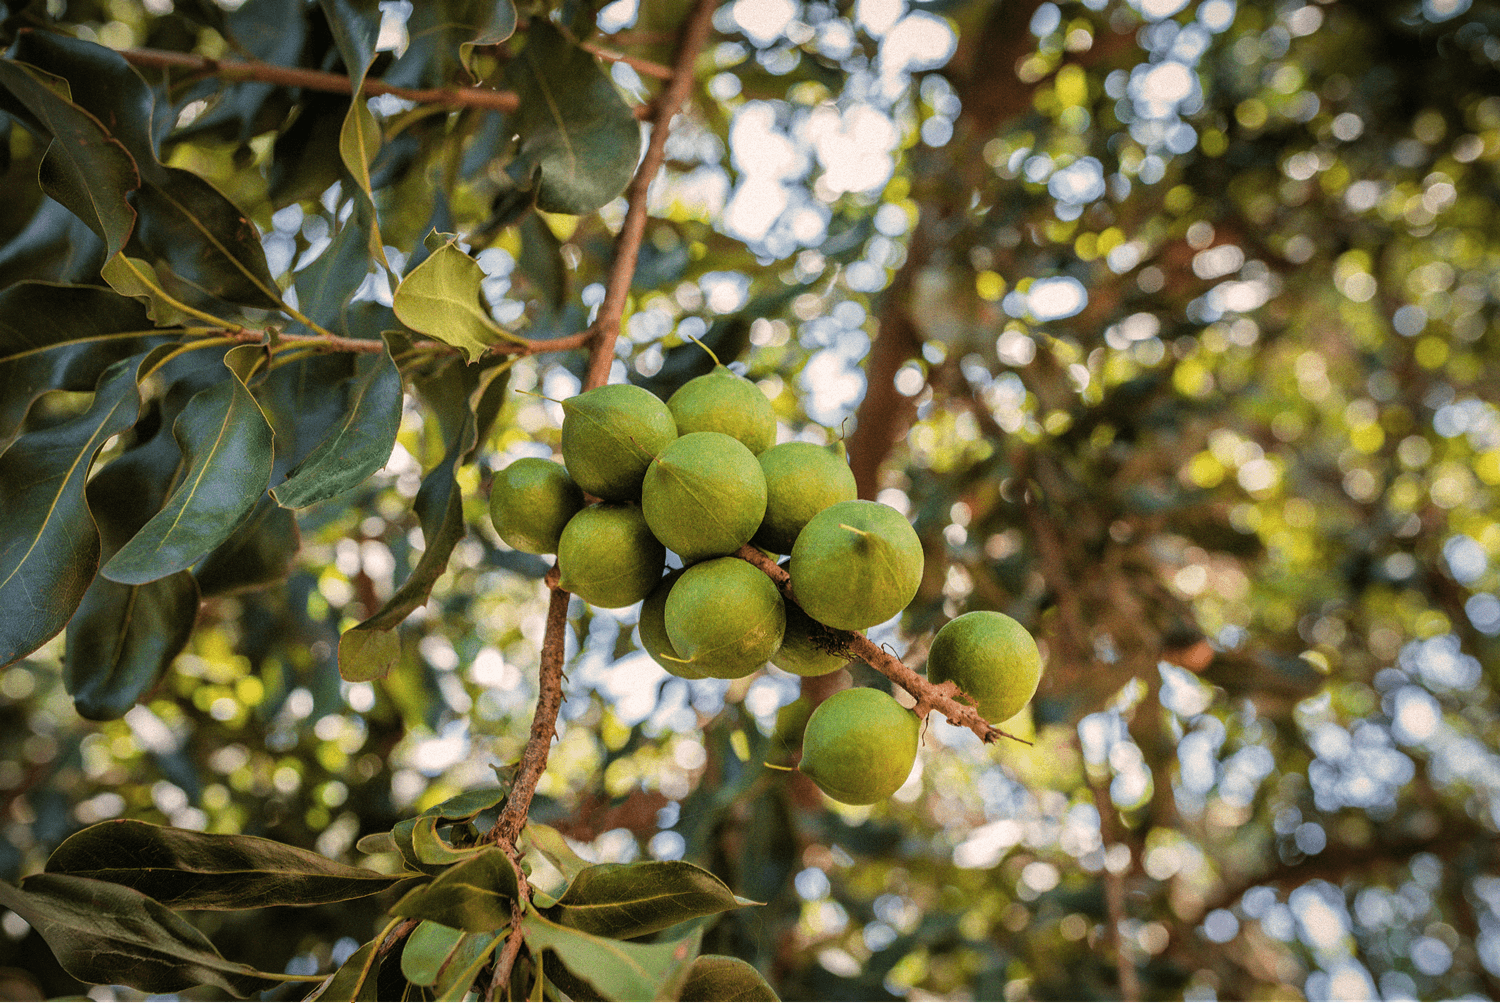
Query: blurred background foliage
(1172,324)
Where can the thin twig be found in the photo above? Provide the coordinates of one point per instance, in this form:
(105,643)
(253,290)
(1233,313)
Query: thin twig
(337,83)
(930,696)
(606,326)
(645,67)
(544,724)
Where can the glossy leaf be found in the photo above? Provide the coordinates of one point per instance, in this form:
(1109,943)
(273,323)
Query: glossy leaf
(468,805)
(105,933)
(87,170)
(719,977)
(199,870)
(206,243)
(49,547)
(370,649)
(496,23)
(137,278)
(617,969)
(123,637)
(426,951)
(325,286)
(227,444)
(61,337)
(356,28)
(579,141)
(474,895)
(258,553)
(442,299)
(632,900)
(360,445)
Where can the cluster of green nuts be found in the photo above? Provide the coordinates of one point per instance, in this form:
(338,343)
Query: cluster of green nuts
(700,475)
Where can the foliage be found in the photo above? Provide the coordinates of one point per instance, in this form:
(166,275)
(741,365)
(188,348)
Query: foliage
(1171,326)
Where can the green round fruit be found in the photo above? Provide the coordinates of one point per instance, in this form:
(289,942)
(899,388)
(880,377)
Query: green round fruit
(802,479)
(725,618)
(791,721)
(805,650)
(608,557)
(992,658)
(720,401)
(609,436)
(860,746)
(531,501)
(704,495)
(653,627)
(856,564)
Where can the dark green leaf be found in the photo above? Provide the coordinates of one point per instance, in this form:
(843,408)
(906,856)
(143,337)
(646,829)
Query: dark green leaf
(718,977)
(360,445)
(632,900)
(431,848)
(198,870)
(617,969)
(258,553)
(137,278)
(426,951)
(206,243)
(376,842)
(49,548)
(369,649)
(227,445)
(474,895)
(496,22)
(60,337)
(356,28)
(105,933)
(54,246)
(466,806)
(356,979)
(325,287)
(355,25)
(441,298)
(86,169)
(575,130)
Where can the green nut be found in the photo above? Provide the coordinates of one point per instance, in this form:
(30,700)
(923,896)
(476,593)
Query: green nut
(608,557)
(704,495)
(856,564)
(531,501)
(860,746)
(725,618)
(720,401)
(610,435)
(992,658)
(802,479)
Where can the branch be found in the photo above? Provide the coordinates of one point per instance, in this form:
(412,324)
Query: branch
(335,343)
(543,725)
(930,696)
(1114,894)
(606,326)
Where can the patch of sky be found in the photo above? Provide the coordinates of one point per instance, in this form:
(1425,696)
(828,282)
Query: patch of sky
(833,385)
(1483,610)
(1440,662)
(1466,557)
(617,16)
(1156,10)
(876,17)
(1216,15)
(763,21)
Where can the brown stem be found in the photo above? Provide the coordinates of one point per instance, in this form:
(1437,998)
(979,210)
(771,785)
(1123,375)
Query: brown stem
(507,960)
(606,326)
(334,343)
(1114,897)
(543,725)
(645,67)
(941,697)
(337,83)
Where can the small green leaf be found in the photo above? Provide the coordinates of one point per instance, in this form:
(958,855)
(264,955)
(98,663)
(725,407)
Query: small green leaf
(474,895)
(441,298)
(376,842)
(576,132)
(227,443)
(137,278)
(431,848)
(198,870)
(426,950)
(105,934)
(61,337)
(359,445)
(356,29)
(87,170)
(499,23)
(617,969)
(468,805)
(49,547)
(632,900)
(718,977)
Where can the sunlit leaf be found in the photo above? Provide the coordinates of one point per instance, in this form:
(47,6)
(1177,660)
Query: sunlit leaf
(198,870)
(355,981)
(442,299)
(426,951)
